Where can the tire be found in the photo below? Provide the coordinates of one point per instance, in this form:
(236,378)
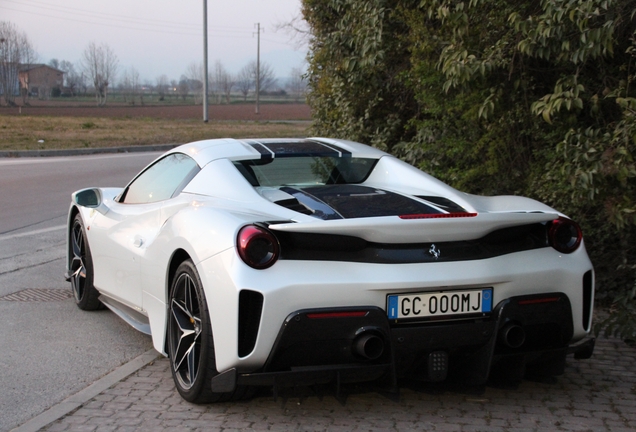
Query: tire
(190,340)
(81,268)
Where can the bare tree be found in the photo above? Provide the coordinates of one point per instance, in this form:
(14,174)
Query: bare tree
(29,57)
(54,63)
(174,85)
(162,86)
(296,84)
(194,75)
(130,86)
(296,29)
(223,80)
(267,79)
(184,87)
(147,88)
(100,64)
(15,51)
(72,79)
(244,81)
(125,86)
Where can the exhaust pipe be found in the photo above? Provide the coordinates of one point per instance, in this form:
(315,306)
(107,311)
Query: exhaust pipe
(369,346)
(512,335)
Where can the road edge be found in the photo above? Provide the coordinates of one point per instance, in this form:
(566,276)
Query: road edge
(78,399)
(85,151)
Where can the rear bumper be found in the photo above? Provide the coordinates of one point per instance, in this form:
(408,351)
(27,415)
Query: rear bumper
(357,344)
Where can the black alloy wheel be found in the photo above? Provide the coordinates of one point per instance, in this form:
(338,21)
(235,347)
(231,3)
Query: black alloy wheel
(81,268)
(190,340)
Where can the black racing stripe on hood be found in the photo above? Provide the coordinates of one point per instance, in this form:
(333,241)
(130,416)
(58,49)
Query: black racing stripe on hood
(355,201)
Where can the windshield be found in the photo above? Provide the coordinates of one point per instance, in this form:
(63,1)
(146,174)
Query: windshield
(306,170)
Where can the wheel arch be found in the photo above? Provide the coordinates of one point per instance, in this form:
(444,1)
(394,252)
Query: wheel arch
(178,256)
(73,211)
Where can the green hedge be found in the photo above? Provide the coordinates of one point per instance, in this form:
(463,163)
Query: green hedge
(528,97)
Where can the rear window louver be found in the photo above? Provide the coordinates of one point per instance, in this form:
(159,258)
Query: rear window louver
(295,205)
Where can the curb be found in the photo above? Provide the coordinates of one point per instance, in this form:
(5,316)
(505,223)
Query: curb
(86,151)
(80,398)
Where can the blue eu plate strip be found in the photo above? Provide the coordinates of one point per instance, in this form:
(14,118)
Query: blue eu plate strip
(393,307)
(486,300)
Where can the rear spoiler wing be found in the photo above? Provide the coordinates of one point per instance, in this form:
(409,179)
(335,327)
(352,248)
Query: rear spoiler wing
(394,229)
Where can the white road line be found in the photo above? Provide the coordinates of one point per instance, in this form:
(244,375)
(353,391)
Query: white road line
(30,233)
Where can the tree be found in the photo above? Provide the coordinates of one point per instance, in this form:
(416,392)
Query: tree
(267,78)
(29,57)
(297,85)
(358,59)
(54,63)
(183,88)
(174,84)
(72,79)
(100,65)
(496,97)
(162,86)
(125,86)
(297,30)
(223,80)
(244,81)
(195,77)
(16,50)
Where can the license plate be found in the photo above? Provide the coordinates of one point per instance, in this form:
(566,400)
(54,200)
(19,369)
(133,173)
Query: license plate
(452,304)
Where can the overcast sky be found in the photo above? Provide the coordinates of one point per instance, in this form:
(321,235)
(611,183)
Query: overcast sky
(160,36)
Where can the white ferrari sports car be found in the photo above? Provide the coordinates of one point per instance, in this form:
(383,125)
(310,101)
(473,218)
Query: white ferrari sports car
(284,262)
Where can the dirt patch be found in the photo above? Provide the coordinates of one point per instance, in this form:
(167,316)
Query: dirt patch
(246,112)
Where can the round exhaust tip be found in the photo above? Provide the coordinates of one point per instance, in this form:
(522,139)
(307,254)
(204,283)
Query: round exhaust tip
(512,335)
(369,346)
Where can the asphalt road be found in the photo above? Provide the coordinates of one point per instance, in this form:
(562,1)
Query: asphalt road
(49,348)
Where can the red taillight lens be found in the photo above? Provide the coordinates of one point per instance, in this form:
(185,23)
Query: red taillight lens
(257,247)
(565,235)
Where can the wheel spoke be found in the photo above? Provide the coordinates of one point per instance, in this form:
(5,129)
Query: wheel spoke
(78,241)
(78,275)
(186,329)
(77,282)
(193,360)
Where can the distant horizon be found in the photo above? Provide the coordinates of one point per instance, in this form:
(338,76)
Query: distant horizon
(157,38)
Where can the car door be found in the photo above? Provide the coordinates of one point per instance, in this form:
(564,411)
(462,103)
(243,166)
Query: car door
(133,221)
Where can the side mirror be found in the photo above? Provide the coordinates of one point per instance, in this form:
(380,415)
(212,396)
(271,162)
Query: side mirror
(90,198)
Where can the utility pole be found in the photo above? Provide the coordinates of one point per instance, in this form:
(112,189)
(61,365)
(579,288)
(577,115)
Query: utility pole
(258,66)
(205,61)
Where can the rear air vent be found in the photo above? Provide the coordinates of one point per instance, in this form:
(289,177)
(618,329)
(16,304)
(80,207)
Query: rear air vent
(588,284)
(249,320)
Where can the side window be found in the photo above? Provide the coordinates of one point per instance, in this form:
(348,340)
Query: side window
(163,180)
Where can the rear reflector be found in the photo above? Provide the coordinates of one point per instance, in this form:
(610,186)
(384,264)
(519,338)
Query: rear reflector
(342,314)
(438,216)
(539,300)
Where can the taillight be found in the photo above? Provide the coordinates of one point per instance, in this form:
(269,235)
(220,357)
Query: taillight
(257,247)
(565,235)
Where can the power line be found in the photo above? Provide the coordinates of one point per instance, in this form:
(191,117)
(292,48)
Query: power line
(104,15)
(196,31)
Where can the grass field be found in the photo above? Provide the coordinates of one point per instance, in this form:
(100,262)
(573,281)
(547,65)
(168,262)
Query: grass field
(44,132)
